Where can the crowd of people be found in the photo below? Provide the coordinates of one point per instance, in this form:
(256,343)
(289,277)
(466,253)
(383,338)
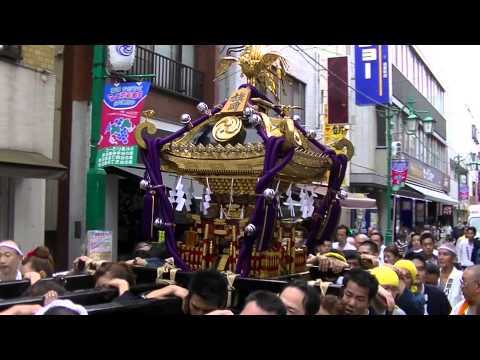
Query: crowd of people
(424,276)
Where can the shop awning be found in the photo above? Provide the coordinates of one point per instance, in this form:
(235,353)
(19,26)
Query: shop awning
(25,164)
(353,200)
(126,171)
(433,195)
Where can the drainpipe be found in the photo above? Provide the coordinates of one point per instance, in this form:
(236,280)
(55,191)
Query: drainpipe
(96,178)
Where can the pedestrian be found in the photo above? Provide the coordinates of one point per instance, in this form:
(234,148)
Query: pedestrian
(466,246)
(391,255)
(378,239)
(475,258)
(10,261)
(263,303)
(119,276)
(432,273)
(353,258)
(360,287)
(62,307)
(359,239)
(450,277)
(389,281)
(207,291)
(434,301)
(428,246)
(414,245)
(39,260)
(330,305)
(300,298)
(368,255)
(470,283)
(324,246)
(342,241)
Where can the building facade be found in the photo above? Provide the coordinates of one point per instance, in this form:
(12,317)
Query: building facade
(182,77)
(29,132)
(422,200)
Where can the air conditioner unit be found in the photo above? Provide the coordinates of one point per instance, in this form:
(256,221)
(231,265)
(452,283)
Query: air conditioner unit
(12,52)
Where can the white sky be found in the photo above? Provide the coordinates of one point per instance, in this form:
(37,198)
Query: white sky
(457,67)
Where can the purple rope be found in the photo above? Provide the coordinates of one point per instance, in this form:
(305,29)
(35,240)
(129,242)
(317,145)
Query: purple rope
(163,208)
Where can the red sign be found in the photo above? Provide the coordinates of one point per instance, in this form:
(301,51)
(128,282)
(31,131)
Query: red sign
(338,90)
(399,171)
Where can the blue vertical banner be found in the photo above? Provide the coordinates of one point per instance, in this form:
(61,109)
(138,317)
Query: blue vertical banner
(372,74)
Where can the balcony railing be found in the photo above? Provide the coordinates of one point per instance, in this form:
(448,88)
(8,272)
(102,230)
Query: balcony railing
(170,75)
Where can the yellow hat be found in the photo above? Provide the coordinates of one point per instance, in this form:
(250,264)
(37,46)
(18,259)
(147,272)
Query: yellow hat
(385,276)
(411,268)
(337,256)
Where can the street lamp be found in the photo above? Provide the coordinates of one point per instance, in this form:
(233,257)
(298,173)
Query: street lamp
(412,123)
(428,125)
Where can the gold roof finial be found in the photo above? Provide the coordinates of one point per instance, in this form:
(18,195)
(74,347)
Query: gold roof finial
(260,68)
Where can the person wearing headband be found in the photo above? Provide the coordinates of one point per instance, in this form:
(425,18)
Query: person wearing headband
(450,277)
(62,307)
(10,261)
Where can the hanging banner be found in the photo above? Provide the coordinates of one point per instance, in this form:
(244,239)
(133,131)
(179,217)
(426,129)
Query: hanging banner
(338,90)
(121,112)
(463,192)
(372,74)
(399,172)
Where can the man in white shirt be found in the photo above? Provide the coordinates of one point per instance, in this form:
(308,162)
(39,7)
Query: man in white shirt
(470,284)
(377,238)
(465,247)
(10,261)
(450,277)
(342,240)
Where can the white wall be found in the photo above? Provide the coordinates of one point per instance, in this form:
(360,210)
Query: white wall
(29,213)
(27,124)
(26,109)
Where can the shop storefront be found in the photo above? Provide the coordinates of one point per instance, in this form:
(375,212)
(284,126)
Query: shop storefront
(424,200)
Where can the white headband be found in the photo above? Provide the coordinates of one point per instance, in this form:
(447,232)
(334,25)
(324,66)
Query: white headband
(11,245)
(79,309)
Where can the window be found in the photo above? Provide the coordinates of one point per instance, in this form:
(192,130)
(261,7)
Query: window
(183,54)
(173,66)
(292,92)
(381,139)
(7,208)
(11,52)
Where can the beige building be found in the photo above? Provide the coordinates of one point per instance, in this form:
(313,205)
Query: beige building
(29,130)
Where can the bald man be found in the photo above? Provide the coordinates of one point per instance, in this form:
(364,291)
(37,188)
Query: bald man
(360,239)
(470,284)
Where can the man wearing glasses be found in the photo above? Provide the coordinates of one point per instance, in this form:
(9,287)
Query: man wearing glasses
(470,283)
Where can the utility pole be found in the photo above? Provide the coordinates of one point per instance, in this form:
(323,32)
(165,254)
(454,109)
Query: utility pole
(388,133)
(96,178)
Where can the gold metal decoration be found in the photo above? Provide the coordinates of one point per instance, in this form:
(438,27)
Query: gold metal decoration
(237,102)
(150,127)
(263,69)
(227,128)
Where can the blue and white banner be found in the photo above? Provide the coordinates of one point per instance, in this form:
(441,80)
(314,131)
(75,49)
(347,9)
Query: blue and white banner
(372,74)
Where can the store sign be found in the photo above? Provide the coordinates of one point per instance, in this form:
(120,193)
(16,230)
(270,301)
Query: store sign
(447,210)
(399,172)
(121,111)
(99,245)
(428,174)
(372,74)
